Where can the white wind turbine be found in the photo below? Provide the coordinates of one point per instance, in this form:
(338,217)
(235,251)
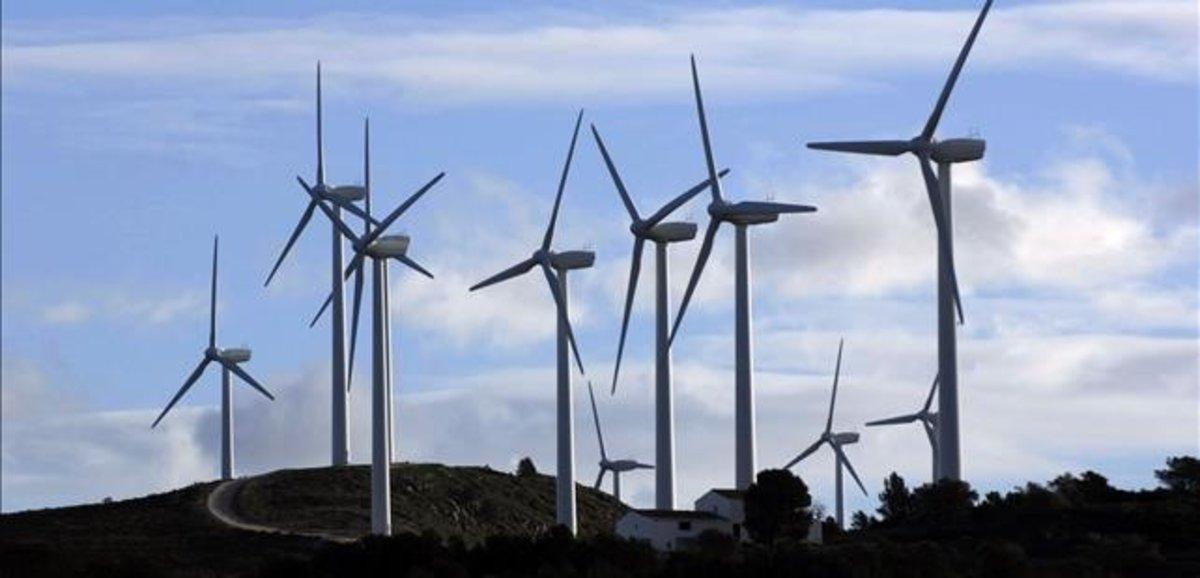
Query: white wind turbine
(340,197)
(741,215)
(554,266)
(607,465)
(228,359)
(835,441)
(928,419)
(377,247)
(653,229)
(945,153)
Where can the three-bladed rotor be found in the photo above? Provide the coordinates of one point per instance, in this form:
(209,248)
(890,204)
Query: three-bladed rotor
(548,260)
(722,211)
(927,417)
(835,440)
(226,358)
(928,151)
(652,229)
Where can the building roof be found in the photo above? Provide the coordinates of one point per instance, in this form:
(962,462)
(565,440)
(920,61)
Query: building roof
(677,515)
(728,493)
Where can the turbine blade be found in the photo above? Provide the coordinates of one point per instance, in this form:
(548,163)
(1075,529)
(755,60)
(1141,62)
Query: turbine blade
(212,302)
(354,316)
(833,397)
(320,143)
(643,466)
(931,433)
(304,218)
(596,418)
(701,259)
(357,212)
(933,189)
(562,183)
(387,222)
(612,171)
(932,390)
(804,454)
(413,265)
(909,418)
(850,467)
(713,180)
(635,269)
(888,148)
(355,263)
(770,208)
(677,202)
(599,479)
(936,115)
(248,379)
(514,271)
(187,384)
(552,279)
(337,222)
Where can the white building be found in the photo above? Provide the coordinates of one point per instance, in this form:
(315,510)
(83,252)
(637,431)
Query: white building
(668,530)
(720,509)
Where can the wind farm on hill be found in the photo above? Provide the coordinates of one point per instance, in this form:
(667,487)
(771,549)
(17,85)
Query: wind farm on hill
(373,511)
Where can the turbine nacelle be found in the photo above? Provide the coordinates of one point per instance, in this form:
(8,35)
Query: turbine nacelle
(388,246)
(235,354)
(957,150)
(671,232)
(624,465)
(567,260)
(344,193)
(844,438)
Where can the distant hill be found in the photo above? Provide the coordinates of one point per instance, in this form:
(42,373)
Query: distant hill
(174,532)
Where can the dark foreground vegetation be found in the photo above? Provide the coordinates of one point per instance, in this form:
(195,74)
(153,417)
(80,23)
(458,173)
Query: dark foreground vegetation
(1073,526)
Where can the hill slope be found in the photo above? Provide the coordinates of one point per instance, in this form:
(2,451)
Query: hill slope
(174,533)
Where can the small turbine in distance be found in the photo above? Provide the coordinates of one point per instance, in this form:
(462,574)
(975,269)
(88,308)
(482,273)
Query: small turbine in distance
(835,441)
(228,359)
(607,465)
(928,419)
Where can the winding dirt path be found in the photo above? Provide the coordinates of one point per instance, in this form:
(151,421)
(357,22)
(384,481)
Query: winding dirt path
(220,505)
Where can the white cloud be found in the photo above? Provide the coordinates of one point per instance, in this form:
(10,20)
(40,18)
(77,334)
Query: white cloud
(66,313)
(563,56)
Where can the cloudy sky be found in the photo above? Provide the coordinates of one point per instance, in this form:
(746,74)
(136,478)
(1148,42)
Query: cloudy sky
(132,134)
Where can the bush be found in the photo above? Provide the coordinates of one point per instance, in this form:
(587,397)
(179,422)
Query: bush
(776,505)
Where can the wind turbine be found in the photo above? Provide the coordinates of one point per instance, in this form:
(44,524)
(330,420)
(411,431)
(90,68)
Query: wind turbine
(228,359)
(341,197)
(928,419)
(377,247)
(653,229)
(554,266)
(945,153)
(741,215)
(835,441)
(607,465)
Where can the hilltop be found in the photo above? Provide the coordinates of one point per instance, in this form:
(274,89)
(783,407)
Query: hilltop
(174,532)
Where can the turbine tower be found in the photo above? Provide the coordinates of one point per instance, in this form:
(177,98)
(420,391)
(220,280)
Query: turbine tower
(229,360)
(607,465)
(835,441)
(377,247)
(653,229)
(928,419)
(554,266)
(741,215)
(341,197)
(945,153)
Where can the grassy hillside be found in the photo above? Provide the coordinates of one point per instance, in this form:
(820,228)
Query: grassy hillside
(173,533)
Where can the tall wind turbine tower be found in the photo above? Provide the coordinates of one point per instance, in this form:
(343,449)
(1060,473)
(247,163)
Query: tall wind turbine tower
(945,153)
(662,234)
(554,266)
(377,247)
(741,215)
(340,197)
(229,359)
(835,441)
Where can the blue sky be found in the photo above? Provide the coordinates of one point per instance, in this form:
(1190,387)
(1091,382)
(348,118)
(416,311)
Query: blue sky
(132,134)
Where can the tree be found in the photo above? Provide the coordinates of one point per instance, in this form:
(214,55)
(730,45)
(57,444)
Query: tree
(525,468)
(895,501)
(861,521)
(777,504)
(944,501)
(1182,475)
(1089,488)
